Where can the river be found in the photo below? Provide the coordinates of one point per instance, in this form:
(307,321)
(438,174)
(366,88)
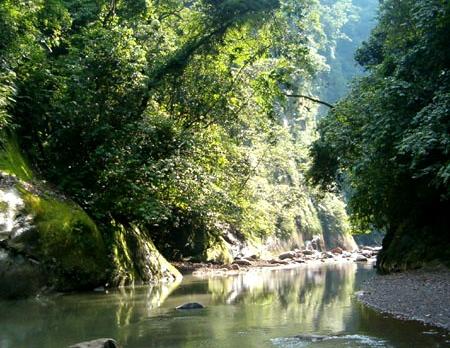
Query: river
(268,308)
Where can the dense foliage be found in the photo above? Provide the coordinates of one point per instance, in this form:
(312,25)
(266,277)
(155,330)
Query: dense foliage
(172,115)
(388,142)
(144,112)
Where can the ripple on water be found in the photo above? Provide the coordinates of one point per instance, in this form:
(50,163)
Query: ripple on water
(359,341)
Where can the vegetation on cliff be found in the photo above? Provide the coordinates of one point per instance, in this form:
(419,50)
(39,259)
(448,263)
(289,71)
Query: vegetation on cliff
(387,142)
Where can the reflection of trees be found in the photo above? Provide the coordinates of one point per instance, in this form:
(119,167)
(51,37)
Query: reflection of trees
(304,299)
(317,296)
(59,322)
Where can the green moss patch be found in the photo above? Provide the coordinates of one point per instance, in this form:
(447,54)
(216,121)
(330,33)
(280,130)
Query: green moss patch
(69,242)
(137,260)
(12,161)
(219,252)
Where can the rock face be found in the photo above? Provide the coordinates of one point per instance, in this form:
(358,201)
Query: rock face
(98,343)
(319,226)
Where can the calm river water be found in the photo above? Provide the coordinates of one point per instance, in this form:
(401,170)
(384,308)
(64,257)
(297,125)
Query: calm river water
(270,308)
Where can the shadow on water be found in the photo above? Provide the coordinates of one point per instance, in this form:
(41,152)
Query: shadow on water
(308,306)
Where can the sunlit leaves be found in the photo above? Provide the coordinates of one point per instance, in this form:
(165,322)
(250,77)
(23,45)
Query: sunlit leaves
(390,136)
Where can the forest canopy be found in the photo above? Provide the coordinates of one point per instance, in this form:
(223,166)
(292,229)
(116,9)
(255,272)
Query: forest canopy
(169,115)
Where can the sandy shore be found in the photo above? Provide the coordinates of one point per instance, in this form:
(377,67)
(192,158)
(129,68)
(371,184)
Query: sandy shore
(422,295)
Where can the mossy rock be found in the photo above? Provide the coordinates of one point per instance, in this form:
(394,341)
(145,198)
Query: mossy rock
(68,242)
(62,238)
(219,252)
(137,260)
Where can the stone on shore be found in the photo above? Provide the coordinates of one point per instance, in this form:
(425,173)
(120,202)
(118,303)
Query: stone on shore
(337,250)
(287,255)
(308,252)
(242,262)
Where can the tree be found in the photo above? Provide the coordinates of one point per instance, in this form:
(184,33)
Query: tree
(388,139)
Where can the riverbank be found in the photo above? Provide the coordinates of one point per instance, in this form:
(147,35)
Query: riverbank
(421,295)
(287,259)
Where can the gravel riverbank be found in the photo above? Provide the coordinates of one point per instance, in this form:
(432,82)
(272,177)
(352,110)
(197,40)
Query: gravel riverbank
(422,295)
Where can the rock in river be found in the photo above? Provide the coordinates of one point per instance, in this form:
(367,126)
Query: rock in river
(99,343)
(312,338)
(360,258)
(191,305)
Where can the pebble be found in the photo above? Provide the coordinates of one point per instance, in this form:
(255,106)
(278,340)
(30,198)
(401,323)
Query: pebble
(422,295)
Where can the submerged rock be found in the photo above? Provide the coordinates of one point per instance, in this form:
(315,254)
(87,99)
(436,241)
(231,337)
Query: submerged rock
(312,338)
(190,305)
(98,343)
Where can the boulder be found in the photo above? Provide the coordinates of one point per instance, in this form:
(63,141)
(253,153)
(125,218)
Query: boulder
(242,262)
(367,254)
(287,255)
(360,258)
(299,260)
(317,243)
(337,250)
(98,343)
(279,262)
(234,267)
(190,305)
(308,252)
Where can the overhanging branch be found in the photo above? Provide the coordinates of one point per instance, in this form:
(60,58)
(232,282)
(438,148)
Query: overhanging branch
(318,101)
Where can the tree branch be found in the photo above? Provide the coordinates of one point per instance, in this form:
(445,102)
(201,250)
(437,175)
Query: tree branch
(331,106)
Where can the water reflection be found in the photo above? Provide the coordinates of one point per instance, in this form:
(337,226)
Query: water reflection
(257,309)
(63,320)
(317,295)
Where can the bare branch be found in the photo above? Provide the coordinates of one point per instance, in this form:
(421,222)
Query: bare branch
(318,101)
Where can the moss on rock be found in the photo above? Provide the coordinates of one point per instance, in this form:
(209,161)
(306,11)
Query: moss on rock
(136,259)
(62,238)
(68,242)
(219,251)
